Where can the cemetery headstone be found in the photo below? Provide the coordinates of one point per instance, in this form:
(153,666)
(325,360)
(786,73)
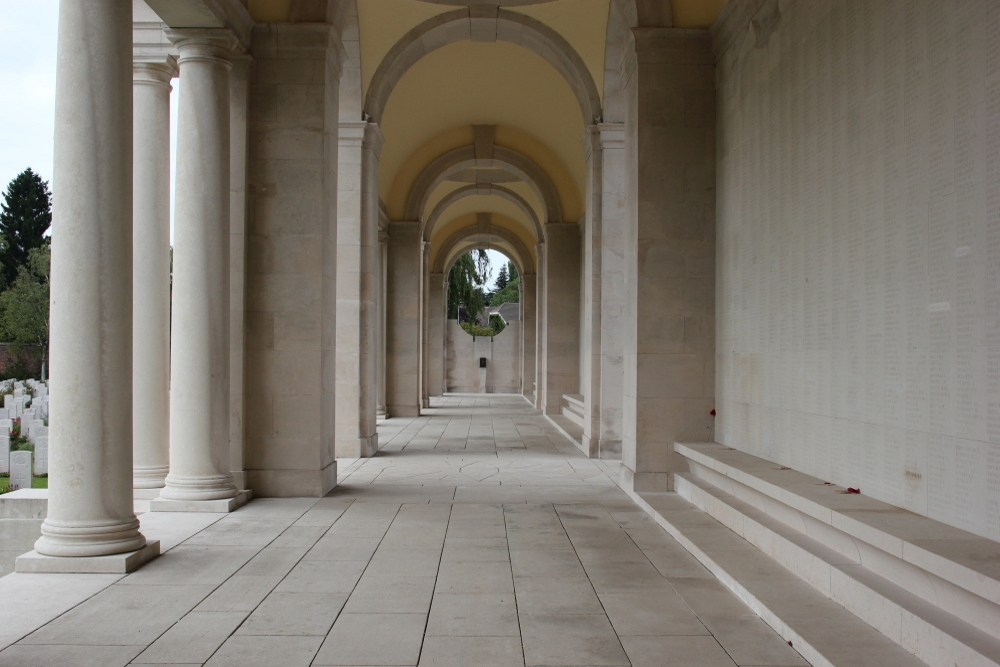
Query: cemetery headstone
(20,470)
(18,391)
(42,455)
(8,401)
(5,426)
(5,453)
(38,429)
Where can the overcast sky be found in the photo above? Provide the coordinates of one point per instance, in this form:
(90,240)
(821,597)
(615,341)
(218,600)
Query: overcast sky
(27,77)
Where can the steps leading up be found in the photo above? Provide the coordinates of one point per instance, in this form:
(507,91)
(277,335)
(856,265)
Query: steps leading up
(931,588)
(572,408)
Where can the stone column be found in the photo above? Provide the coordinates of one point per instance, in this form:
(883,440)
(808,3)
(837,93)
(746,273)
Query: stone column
(561,328)
(151,77)
(425,319)
(437,313)
(529,299)
(670,253)
(613,296)
(383,261)
(239,92)
(199,355)
(357,304)
(540,325)
(590,359)
(90,457)
(403,289)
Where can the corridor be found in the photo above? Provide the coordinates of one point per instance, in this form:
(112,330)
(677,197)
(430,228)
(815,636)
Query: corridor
(478,536)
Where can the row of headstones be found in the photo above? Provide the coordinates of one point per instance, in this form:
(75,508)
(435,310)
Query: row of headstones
(32,413)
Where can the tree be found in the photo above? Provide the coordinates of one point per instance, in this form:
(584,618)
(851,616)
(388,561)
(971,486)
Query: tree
(465,285)
(501,279)
(512,271)
(25,216)
(24,307)
(509,294)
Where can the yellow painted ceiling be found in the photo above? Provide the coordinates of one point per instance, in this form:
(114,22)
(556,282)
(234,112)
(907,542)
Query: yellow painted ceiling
(467,83)
(686,13)
(434,105)
(514,218)
(520,187)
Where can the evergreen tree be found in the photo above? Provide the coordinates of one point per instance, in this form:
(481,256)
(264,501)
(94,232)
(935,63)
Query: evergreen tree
(501,279)
(25,216)
(512,271)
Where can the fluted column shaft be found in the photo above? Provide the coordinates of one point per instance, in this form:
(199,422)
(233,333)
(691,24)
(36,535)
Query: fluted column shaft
(151,77)
(199,358)
(90,460)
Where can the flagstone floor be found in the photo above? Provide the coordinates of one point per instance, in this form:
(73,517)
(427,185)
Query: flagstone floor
(478,536)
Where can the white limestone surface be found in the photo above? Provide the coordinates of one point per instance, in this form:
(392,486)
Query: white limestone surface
(859,250)
(480,537)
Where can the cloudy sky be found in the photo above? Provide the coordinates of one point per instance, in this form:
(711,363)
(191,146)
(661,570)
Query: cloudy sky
(28,79)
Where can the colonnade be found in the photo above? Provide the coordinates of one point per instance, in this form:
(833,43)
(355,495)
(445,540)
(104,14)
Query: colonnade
(617,308)
(111,215)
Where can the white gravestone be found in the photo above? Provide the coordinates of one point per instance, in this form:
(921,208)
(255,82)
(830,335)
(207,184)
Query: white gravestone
(5,426)
(5,453)
(27,419)
(19,405)
(38,429)
(8,401)
(18,392)
(20,470)
(42,455)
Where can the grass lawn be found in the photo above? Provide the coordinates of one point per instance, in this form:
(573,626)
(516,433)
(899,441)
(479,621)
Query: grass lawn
(36,483)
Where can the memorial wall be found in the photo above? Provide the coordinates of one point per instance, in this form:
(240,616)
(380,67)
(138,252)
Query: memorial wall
(858,222)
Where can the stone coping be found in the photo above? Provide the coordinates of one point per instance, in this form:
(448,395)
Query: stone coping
(962,558)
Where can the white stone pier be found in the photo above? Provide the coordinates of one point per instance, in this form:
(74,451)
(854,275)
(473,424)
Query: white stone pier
(151,77)
(199,391)
(90,514)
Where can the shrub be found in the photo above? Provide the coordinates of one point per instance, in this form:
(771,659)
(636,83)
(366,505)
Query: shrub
(476,330)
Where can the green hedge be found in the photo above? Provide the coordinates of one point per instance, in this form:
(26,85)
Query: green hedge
(476,330)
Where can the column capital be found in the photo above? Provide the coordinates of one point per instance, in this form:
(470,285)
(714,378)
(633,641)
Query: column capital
(612,135)
(383,236)
(217,44)
(154,69)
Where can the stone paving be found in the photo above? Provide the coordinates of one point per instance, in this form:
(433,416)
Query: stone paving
(479,536)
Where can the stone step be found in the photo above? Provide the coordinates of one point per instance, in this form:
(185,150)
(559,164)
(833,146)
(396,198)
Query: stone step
(572,408)
(924,610)
(822,631)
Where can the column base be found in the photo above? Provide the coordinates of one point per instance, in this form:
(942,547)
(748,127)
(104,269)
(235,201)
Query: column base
(642,482)
(220,505)
(357,448)
(610,449)
(145,494)
(380,414)
(35,563)
(149,478)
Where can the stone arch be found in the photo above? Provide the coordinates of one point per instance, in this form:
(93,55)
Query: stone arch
(483,23)
(476,189)
(461,159)
(484,232)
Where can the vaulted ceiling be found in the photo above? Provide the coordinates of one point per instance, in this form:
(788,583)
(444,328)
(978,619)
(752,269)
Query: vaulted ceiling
(436,96)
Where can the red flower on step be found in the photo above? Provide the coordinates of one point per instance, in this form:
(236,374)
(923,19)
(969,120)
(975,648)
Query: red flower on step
(712,412)
(853,490)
